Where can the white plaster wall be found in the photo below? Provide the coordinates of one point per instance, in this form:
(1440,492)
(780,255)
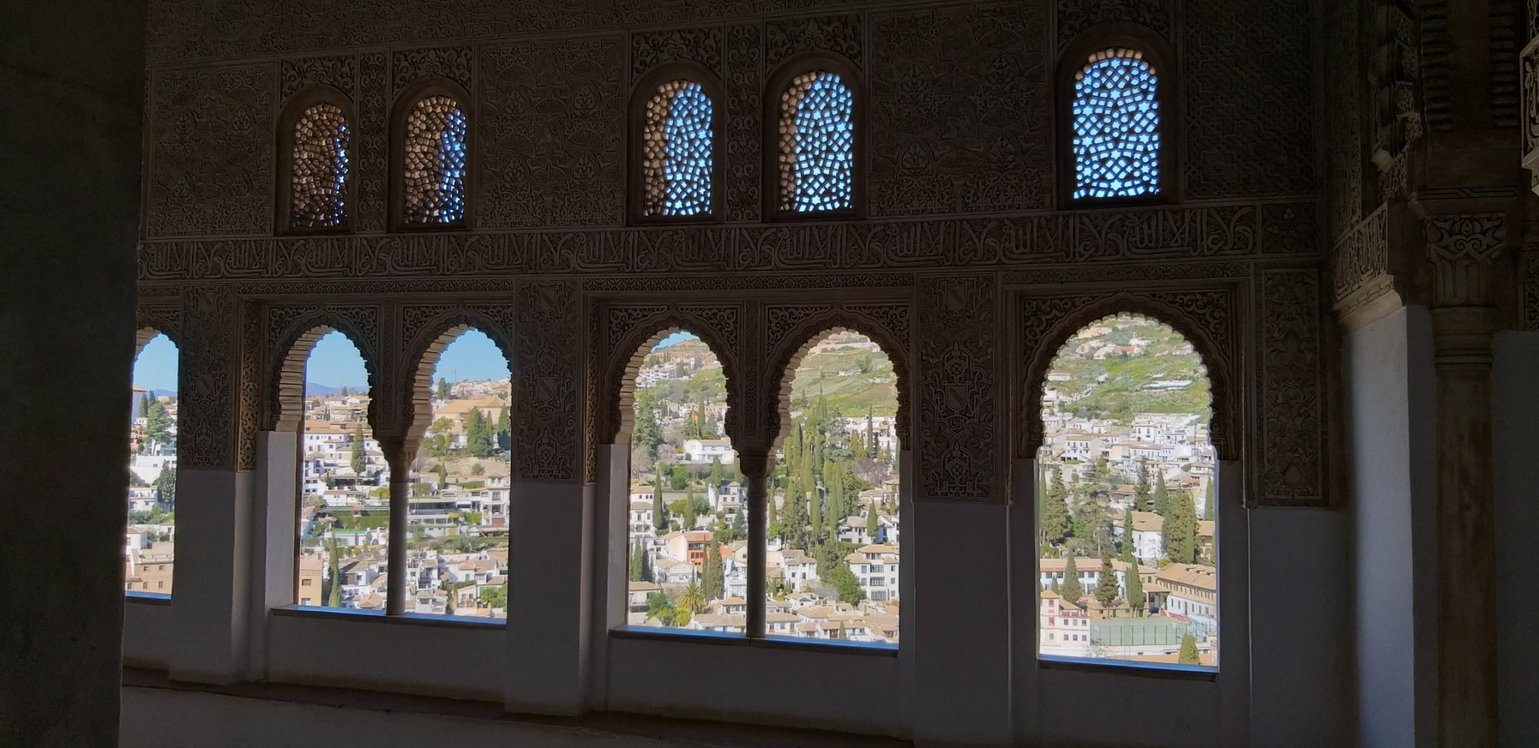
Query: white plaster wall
(402,656)
(1390,445)
(1515,439)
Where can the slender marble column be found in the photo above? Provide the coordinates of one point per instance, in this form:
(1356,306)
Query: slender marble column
(398,454)
(755,468)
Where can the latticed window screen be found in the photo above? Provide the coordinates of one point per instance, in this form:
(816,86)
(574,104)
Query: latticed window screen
(433,167)
(1116,127)
(318,168)
(676,152)
(817,135)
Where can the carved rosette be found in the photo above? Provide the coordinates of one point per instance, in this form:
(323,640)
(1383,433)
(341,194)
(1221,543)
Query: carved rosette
(1461,249)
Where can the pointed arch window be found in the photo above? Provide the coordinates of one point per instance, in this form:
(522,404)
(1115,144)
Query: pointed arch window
(433,162)
(678,151)
(1116,114)
(817,144)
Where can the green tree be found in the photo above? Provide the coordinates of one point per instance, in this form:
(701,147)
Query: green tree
(1071,590)
(1188,654)
(659,510)
(693,598)
(718,474)
(660,607)
(1161,495)
(1141,490)
(638,560)
(356,460)
(448,588)
(157,422)
(711,583)
(1106,590)
(477,469)
(480,434)
(739,529)
(1181,530)
(1135,585)
(843,580)
(648,434)
(443,474)
(165,488)
(495,597)
(444,393)
(504,435)
(647,575)
(334,598)
(873,524)
(1054,512)
(1209,508)
(1127,535)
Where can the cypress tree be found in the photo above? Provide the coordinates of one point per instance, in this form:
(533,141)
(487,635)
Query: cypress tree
(1106,590)
(1209,509)
(357,461)
(1188,655)
(873,525)
(711,573)
(636,562)
(444,393)
(1181,531)
(1127,535)
(1141,491)
(1135,585)
(1053,511)
(659,511)
(1161,496)
(647,575)
(1070,590)
(334,599)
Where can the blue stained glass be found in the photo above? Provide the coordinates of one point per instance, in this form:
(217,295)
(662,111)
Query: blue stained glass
(677,154)
(1116,127)
(451,162)
(817,154)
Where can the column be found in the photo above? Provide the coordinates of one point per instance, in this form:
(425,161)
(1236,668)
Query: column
(755,467)
(398,455)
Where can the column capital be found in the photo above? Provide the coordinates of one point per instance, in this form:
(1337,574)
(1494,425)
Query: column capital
(754,464)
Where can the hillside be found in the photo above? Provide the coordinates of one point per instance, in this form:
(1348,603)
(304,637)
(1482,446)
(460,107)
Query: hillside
(1130,365)
(846,369)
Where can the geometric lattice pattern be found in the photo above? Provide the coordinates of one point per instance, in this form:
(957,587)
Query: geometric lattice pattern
(318,185)
(433,169)
(676,152)
(1116,127)
(817,136)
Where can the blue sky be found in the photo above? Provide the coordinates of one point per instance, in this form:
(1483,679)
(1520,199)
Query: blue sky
(335,362)
(155,369)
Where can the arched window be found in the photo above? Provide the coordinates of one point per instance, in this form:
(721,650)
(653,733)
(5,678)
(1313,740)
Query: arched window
(150,539)
(1116,126)
(817,144)
(677,150)
(433,162)
(1127,498)
(318,170)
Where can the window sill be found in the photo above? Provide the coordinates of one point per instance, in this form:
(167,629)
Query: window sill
(147,598)
(1125,667)
(409,619)
(822,646)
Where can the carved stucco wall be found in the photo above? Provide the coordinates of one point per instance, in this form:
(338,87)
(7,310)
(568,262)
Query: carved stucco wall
(961,171)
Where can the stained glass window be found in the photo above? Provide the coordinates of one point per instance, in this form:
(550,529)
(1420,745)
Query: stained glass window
(433,170)
(676,154)
(318,171)
(1116,127)
(817,135)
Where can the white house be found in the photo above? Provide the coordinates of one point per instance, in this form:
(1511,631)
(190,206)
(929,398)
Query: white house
(704,450)
(876,566)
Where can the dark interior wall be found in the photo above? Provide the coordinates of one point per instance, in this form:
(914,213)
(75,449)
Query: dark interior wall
(72,79)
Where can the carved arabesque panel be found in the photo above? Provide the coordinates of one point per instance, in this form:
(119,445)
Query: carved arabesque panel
(295,75)
(1248,112)
(960,108)
(206,397)
(1076,16)
(1290,437)
(551,133)
(841,34)
(547,359)
(743,128)
(371,140)
(652,48)
(211,152)
(958,431)
(454,63)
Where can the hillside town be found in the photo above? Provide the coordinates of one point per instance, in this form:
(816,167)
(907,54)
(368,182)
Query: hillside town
(1127,511)
(457,516)
(834,548)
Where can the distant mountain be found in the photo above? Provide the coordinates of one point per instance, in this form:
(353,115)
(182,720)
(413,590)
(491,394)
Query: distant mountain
(311,388)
